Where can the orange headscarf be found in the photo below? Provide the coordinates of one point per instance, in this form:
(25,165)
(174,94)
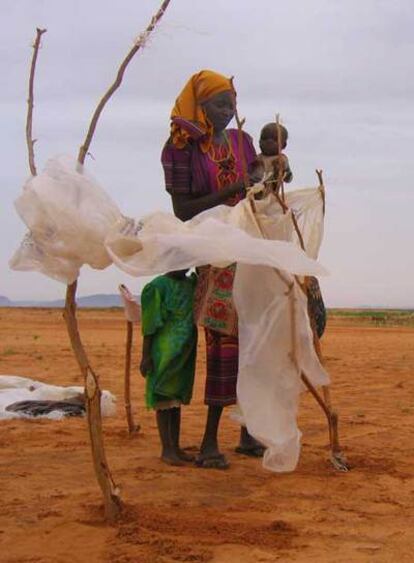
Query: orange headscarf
(187,108)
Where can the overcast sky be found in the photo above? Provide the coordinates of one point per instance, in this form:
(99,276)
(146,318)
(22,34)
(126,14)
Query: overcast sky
(339,73)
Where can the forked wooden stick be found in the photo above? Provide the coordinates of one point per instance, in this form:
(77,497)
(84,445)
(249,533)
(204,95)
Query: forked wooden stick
(93,393)
(110,491)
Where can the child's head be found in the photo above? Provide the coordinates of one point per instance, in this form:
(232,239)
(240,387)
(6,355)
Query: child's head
(269,139)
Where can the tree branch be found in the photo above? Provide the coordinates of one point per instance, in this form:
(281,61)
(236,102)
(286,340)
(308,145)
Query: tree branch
(30,104)
(138,44)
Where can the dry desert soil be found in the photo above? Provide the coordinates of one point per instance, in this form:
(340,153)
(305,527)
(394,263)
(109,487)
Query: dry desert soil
(51,510)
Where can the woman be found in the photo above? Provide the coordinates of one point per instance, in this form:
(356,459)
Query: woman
(203,167)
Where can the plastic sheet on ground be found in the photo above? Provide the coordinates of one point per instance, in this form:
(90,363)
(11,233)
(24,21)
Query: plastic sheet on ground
(14,388)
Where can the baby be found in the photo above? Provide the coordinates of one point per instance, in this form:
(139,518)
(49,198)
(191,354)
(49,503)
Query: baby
(268,163)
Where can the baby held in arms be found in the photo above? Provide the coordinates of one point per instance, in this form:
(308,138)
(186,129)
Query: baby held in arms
(271,165)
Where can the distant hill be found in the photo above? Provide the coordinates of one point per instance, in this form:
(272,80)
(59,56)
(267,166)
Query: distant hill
(98,301)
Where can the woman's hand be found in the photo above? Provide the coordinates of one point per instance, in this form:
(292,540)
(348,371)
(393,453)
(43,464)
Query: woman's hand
(186,207)
(235,189)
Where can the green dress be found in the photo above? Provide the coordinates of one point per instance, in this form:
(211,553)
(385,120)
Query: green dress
(167,315)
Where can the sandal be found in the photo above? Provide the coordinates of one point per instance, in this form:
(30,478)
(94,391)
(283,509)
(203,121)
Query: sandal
(217,461)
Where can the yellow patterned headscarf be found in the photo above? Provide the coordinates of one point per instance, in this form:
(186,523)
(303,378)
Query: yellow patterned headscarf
(188,117)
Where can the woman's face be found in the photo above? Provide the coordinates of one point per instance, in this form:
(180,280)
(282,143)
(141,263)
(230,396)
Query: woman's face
(220,110)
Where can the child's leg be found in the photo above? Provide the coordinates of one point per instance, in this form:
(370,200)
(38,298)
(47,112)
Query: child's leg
(175,434)
(168,452)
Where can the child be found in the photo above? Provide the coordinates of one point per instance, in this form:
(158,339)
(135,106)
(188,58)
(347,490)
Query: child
(267,164)
(169,354)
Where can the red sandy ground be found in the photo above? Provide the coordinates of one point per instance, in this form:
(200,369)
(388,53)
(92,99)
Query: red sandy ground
(51,508)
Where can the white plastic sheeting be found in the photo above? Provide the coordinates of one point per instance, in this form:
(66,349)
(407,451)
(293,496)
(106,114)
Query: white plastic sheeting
(160,243)
(14,388)
(70,218)
(273,350)
(74,222)
(68,215)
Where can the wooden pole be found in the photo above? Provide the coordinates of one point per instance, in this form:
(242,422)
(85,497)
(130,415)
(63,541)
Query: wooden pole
(132,315)
(132,427)
(110,491)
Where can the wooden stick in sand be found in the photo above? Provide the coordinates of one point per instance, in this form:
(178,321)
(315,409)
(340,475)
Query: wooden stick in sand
(110,492)
(132,315)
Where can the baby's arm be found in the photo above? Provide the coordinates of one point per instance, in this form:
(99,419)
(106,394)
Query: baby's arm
(282,160)
(288,172)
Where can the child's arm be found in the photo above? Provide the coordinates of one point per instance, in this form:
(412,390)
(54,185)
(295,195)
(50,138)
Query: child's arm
(146,364)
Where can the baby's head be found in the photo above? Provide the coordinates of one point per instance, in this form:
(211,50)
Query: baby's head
(269,139)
